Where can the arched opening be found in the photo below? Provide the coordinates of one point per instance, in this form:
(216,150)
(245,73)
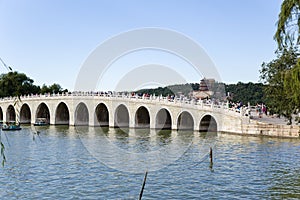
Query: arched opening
(208,124)
(185,121)
(121,116)
(62,115)
(10,114)
(81,115)
(163,119)
(142,118)
(25,114)
(43,112)
(1,115)
(102,114)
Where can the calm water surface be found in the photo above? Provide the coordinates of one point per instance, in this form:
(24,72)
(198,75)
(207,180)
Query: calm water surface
(57,165)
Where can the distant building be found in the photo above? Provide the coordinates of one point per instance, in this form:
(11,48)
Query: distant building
(205,89)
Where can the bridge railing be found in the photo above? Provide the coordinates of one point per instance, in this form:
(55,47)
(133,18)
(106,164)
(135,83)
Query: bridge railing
(182,100)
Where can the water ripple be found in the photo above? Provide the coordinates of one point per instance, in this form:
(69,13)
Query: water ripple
(59,167)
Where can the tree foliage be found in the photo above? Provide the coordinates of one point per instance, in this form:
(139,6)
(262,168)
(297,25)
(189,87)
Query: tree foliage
(15,84)
(54,88)
(246,92)
(282,75)
(288,25)
(292,84)
(276,74)
(183,89)
(164,91)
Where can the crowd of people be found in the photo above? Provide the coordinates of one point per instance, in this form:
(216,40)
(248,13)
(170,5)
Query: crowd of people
(259,109)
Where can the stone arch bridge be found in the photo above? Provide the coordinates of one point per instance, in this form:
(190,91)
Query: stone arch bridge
(96,109)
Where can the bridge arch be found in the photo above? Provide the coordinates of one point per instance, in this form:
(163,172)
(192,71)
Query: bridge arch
(62,114)
(142,118)
(121,116)
(185,121)
(163,119)
(208,123)
(102,114)
(25,114)
(43,112)
(1,114)
(10,113)
(81,115)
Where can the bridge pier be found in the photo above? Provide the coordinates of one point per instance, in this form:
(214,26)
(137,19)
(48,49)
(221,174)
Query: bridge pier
(92,121)
(111,121)
(4,116)
(131,124)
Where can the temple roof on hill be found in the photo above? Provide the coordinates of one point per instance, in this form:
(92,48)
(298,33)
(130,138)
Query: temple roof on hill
(203,85)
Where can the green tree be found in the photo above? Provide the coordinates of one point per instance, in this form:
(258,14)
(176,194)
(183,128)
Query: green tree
(246,92)
(292,84)
(288,25)
(287,36)
(45,89)
(15,84)
(54,88)
(278,97)
(283,73)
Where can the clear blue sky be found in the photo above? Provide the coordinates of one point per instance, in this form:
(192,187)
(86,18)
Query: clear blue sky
(50,39)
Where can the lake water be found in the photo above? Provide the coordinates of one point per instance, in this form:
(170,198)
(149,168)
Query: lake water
(95,163)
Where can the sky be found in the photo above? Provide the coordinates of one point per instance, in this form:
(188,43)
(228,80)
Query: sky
(50,40)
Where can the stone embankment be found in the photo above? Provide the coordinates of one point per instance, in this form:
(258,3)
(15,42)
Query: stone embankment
(269,126)
(275,130)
